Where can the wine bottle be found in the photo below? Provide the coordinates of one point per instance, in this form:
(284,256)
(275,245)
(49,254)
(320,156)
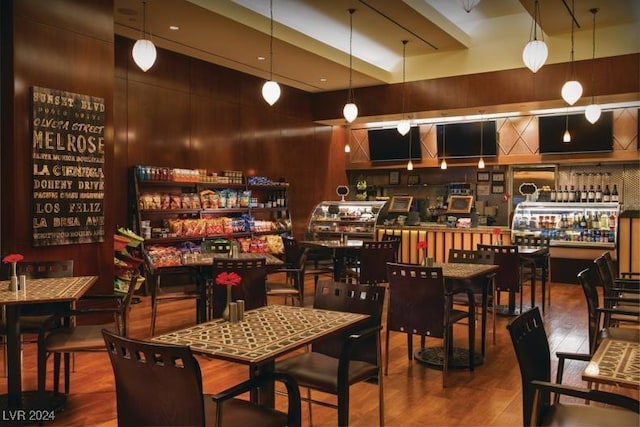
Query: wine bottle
(606,196)
(565,194)
(591,195)
(598,198)
(583,194)
(572,194)
(552,196)
(615,197)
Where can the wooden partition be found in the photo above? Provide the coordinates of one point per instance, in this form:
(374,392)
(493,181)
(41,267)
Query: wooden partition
(629,242)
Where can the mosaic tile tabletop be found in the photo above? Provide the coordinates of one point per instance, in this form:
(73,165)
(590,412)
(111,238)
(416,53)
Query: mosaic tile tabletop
(206,260)
(264,334)
(615,362)
(47,290)
(460,270)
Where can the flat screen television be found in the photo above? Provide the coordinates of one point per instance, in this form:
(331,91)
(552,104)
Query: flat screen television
(585,137)
(387,145)
(463,139)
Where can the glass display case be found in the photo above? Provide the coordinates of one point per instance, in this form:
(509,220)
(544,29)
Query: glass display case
(357,220)
(568,224)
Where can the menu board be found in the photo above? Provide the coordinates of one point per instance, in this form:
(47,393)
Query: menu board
(68,161)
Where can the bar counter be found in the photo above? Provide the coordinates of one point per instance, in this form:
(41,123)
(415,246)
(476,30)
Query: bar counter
(441,238)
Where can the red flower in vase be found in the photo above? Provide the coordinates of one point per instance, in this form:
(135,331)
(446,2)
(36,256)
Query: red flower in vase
(422,244)
(497,231)
(11,258)
(228,279)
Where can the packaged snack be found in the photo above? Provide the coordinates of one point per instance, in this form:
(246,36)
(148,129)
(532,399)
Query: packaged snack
(243,198)
(222,199)
(274,244)
(165,201)
(195,201)
(232,199)
(155,201)
(206,200)
(176,201)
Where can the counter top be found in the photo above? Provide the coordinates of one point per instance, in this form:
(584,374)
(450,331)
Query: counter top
(423,225)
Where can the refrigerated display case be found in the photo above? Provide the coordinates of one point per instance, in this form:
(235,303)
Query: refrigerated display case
(355,219)
(569,224)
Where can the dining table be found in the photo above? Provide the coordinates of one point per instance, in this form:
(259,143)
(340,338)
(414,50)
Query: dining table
(615,362)
(264,334)
(17,402)
(451,271)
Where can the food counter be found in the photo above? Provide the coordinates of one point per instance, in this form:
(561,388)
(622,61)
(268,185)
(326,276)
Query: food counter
(441,238)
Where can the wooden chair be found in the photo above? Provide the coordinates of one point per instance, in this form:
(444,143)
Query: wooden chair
(507,278)
(85,336)
(476,286)
(336,363)
(623,297)
(252,289)
(420,304)
(534,359)
(372,259)
(292,283)
(537,267)
(397,241)
(161,385)
(319,261)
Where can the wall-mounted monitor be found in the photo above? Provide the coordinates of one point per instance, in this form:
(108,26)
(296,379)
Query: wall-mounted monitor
(463,139)
(585,137)
(387,145)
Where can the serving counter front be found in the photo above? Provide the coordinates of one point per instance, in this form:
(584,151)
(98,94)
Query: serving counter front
(441,238)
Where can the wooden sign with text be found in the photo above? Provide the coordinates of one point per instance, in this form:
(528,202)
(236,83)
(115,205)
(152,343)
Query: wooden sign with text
(68,161)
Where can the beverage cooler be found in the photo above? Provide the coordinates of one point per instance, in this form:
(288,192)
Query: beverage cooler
(578,232)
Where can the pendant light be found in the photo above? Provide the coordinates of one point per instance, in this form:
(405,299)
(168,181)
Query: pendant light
(572,89)
(404,124)
(271,88)
(144,51)
(593,111)
(350,110)
(535,53)
(409,163)
(566,137)
(481,161)
(443,163)
(468,5)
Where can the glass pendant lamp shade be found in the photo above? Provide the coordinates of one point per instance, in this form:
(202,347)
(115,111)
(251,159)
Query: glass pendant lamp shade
(350,111)
(592,113)
(144,54)
(571,91)
(566,138)
(271,92)
(403,126)
(534,54)
(144,51)
(409,165)
(481,163)
(347,148)
(443,164)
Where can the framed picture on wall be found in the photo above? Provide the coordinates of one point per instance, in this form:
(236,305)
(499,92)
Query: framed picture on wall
(413,179)
(483,176)
(483,189)
(394,178)
(400,203)
(497,177)
(497,188)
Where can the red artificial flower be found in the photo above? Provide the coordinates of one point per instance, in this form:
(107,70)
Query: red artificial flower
(229,279)
(422,244)
(11,258)
(497,231)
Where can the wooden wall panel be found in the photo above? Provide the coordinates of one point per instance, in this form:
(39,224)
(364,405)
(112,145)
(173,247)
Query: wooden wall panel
(66,45)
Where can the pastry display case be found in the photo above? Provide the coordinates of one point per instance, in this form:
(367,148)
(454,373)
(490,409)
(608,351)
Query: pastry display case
(357,219)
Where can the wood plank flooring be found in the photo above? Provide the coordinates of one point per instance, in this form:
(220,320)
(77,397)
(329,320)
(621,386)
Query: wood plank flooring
(490,396)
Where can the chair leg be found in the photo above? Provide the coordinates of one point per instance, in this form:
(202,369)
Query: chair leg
(42,368)
(386,353)
(343,406)
(67,373)
(56,372)
(493,316)
(380,385)
(154,305)
(472,341)
(309,406)
(410,346)
(445,356)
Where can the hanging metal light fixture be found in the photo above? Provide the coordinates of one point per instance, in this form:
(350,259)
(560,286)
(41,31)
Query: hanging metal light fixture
(144,51)
(271,89)
(593,111)
(409,163)
(572,89)
(404,124)
(443,163)
(535,53)
(468,5)
(566,137)
(481,161)
(350,110)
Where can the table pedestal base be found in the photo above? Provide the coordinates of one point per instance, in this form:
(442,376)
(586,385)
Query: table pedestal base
(504,310)
(37,408)
(434,357)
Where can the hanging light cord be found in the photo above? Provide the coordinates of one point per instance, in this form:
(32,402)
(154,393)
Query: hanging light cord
(535,23)
(593,56)
(573,67)
(404,60)
(271,42)
(144,18)
(481,134)
(350,97)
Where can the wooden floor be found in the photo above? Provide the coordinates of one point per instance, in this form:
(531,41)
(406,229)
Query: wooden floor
(490,396)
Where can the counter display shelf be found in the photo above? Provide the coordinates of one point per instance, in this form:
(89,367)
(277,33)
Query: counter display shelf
(578,232)
(357,220)
(583,225)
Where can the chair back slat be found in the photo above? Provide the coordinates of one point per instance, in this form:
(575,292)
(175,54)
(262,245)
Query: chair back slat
(416,299)
(589,278)
(351,298)
(252,289)
(507,257)
(531,241)
(156,384)
(374,257)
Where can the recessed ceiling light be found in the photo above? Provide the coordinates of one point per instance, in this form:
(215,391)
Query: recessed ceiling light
(174,27)
(261,58)
(322,79)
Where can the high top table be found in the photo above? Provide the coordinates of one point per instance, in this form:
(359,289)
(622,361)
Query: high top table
(265,334)
(339,248)
(615,362)
(51,290)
